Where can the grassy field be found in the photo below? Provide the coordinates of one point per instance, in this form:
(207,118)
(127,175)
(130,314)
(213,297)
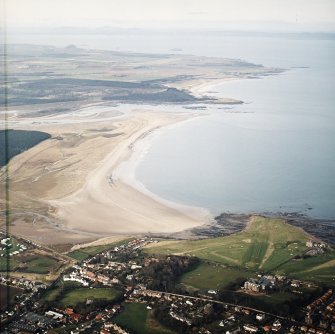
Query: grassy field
(277,298)
(213,276)
(77,295)
(269,245)
(52,293)
(84,253)
(12,263)
(38,264)
(139,320)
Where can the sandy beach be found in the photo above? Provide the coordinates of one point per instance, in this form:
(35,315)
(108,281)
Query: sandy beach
(80,185)
(106,204)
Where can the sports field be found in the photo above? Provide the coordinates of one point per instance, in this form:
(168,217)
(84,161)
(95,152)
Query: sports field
(75,296)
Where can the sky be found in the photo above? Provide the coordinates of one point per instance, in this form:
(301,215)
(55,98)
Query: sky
(292,14)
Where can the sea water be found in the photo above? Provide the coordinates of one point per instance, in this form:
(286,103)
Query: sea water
(274,153)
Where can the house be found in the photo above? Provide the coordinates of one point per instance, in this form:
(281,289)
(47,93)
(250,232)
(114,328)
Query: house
(252,286)
(54,315)
(75,317)
(103,279)
(260,316)
(135,266)
(68,311)
(250,328)
(309,243)
(115,280)
(276,326)
(295,283)
(212,292)
(89,275)
(74,278)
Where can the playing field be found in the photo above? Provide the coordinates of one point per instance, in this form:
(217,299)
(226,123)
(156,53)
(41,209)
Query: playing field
(75,296)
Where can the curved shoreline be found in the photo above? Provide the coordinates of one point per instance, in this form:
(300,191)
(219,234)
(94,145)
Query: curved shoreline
(125,171)
(124,207)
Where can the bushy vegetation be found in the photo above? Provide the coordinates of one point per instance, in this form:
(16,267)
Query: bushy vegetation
(18,141)
(163,275)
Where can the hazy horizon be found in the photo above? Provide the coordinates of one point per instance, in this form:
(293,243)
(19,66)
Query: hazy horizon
(257,15)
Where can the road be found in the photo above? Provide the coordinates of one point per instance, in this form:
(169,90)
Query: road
(223,303)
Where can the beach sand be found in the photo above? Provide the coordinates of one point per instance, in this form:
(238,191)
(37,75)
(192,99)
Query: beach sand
(109,205)
(79,185)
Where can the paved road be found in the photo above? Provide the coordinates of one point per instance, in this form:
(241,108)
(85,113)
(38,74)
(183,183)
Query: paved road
(223,303)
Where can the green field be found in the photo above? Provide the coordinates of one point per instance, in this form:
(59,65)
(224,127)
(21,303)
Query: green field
(268,244)
(139,320)
(53,293)
(213,276)
(84,253)
(277,298)
(12,263)
(77,295)
(38,264)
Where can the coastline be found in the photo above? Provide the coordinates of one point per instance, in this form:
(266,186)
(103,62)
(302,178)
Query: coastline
(125,195)
(67,202)
(118,206)
(125,171)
